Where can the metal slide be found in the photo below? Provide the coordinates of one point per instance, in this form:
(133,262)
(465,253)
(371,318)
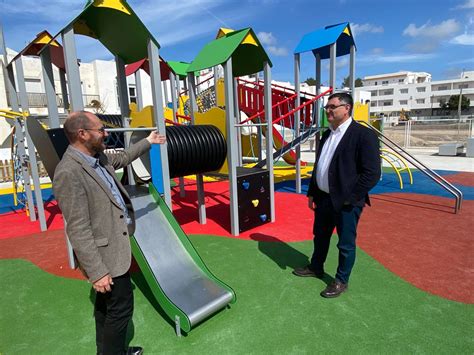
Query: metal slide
(185,288)
(180,281)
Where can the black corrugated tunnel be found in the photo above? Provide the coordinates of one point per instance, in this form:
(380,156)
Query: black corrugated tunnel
(191,150)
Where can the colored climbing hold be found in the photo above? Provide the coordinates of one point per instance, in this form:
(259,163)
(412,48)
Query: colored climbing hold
(245,185)
(255,203)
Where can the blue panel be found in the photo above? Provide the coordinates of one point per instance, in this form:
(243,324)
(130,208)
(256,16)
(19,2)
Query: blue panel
(156,168)
(319,41)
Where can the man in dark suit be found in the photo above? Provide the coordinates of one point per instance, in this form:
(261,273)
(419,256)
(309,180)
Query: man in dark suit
(347,167)
(99,220)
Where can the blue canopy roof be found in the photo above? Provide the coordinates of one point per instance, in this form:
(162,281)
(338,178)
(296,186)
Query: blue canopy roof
(320,41)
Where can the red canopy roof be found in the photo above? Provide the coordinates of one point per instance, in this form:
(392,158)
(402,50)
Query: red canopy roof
(42,39)
(143,64)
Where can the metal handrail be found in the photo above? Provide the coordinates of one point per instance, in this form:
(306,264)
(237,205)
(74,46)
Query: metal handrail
(284,88)
(433,175)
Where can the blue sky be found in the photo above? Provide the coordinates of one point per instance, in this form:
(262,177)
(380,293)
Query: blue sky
(416,35)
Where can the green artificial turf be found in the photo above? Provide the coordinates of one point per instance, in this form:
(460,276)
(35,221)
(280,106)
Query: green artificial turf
(275,311)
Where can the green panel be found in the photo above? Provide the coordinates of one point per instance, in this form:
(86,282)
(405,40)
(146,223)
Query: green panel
(324,119)
(122,34)
(180,68)
(186,242)
(246,58)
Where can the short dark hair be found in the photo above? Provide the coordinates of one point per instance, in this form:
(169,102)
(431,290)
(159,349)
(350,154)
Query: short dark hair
(74,122)
(344,98)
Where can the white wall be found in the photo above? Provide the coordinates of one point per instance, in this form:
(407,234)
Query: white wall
(106,85)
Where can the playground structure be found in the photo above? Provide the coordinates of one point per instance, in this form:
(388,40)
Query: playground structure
(240,54)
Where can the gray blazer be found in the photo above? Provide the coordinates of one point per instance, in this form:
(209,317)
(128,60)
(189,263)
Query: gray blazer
(95,222)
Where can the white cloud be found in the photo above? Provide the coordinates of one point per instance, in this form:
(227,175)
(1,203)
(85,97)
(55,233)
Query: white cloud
(463,61)
(358,29)
(428,37)
(269,40)
(440,31)
(466,39)
(377,50)
(341,62)
(394,58)
(469,4)
(277,51)
(266,38)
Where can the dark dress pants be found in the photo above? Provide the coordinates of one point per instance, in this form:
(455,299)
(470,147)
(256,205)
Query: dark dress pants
(113,310)
(345,222)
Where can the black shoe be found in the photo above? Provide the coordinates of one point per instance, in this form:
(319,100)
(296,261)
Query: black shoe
(134,350)
(307,272)
(334,289)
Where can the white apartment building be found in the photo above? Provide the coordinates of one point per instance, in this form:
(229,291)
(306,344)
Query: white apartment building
(416,93)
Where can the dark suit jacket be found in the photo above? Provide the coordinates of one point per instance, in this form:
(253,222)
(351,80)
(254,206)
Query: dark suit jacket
(354,168)
(95,222)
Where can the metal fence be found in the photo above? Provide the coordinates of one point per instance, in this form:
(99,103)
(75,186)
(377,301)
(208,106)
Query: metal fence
(429,133)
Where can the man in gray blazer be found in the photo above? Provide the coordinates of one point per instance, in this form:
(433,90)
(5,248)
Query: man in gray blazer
(99,220)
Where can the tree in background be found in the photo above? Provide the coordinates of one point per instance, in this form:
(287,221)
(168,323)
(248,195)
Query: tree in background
(358,83)
(453,103)
(310,81)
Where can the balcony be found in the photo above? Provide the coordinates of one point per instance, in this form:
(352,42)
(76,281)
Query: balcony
(38,100)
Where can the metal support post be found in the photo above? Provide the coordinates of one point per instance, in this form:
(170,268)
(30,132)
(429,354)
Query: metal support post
(62,80)
(318,105)
(297,123)
(352,71)
(159,117)
(332,66)
(139,90)
(269,138)
(237,121)
(48,79)
(232,149)
(124,109)
(72,70)
(199,177)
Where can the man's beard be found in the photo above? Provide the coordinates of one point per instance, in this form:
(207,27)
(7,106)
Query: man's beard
(97,146)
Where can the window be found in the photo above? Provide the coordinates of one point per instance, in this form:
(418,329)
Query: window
(132,93)
(421,89)
(373,104)
(401,80)
(375,83)
(387,103)
(385,82)
(403,91)
(441,88)
(403,102)
(388,92)
(373,93)
(420,101)
(463,86)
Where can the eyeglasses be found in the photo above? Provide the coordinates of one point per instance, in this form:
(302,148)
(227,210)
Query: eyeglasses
(333,107)
(100,130)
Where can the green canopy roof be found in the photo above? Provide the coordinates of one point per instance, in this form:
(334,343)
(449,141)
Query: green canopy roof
(248,55)
(116,26)
(180,68)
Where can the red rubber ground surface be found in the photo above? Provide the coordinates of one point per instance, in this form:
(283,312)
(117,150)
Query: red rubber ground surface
(417,237)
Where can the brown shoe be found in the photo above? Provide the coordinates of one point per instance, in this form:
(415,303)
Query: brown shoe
(334,289)
(307,272)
